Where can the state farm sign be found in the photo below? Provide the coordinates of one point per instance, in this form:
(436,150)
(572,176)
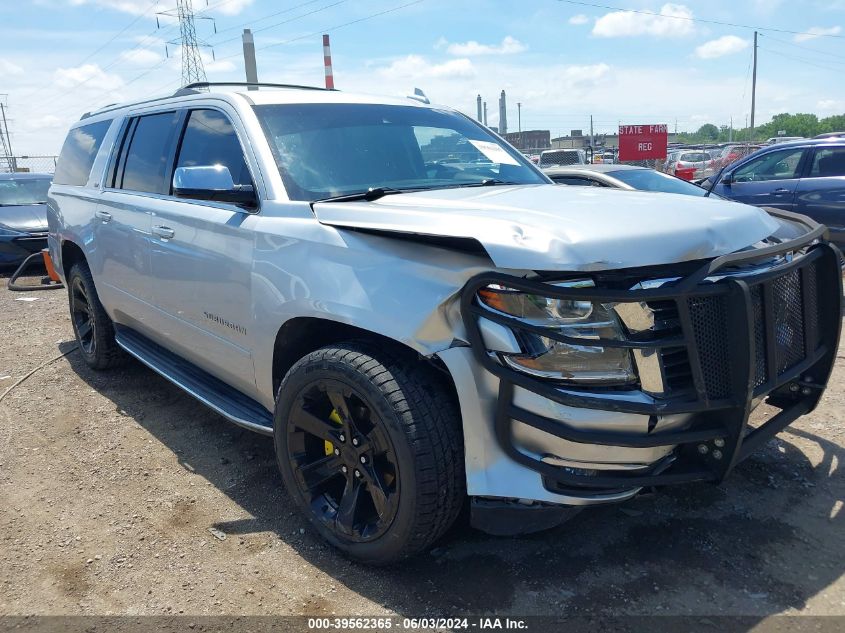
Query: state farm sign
(641,142)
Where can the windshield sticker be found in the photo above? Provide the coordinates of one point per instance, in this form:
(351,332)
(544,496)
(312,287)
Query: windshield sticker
(494,153)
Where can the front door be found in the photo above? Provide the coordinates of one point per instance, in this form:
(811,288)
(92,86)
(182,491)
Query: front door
(201,260)
(769,180)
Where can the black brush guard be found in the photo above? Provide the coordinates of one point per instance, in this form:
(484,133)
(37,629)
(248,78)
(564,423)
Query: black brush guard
(733,331)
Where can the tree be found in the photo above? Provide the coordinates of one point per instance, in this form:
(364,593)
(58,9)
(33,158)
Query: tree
(708,131)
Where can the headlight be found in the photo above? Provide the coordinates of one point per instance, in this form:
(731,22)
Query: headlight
(547,358)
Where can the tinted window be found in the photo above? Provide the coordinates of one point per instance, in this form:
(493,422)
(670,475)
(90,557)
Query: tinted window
(78,154)
(650,180)
(780,165)
(23,191)
(210,140)
(694,157)
(574,180)
(828,162)
(325,150)
(149,154)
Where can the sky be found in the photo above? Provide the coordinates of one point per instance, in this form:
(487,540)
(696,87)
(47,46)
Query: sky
(678,63)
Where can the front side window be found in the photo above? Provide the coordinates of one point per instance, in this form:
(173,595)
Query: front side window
(326,150)
(19,191)
(78,153)
(828,163)
(780,165)
(210,139)
(149,153)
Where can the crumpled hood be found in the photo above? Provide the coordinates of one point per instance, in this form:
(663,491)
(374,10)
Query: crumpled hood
(27,218)
(553,227)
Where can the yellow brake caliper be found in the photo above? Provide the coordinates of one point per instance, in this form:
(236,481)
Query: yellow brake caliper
(334,417)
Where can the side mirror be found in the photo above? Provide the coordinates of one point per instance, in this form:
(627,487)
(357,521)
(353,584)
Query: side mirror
(211,182)
(727,178)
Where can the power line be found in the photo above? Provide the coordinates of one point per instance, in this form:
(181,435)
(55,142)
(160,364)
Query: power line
(272,26)
(805,48)
(266,17)
(333,28)
(702,20)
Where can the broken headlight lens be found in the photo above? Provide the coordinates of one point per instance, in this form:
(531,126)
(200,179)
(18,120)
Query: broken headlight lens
(545,357)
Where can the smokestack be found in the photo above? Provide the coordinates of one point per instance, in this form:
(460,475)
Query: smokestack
(249,59)
(503,114)
(327,61)
(485,113)
(478,104)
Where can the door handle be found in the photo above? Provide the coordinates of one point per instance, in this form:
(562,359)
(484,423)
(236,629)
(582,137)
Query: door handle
(164,232)
(780,191)
(105,216)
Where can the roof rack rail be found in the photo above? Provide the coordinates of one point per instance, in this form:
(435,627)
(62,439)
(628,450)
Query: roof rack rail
(195,87)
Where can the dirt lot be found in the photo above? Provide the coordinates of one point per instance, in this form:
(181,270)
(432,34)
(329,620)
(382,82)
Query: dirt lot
(110,485)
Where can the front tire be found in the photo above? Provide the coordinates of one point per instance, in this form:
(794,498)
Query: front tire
(92,327)
(370,447)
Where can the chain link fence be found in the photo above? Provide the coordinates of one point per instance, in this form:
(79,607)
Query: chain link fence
(24,164)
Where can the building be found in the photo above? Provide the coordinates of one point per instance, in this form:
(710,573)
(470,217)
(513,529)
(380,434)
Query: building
(533,141)
(578,140)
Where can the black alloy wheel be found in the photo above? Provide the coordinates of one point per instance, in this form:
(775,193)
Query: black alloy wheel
(343,461)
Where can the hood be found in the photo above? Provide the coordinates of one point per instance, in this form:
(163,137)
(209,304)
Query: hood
(549,227)
(28,218)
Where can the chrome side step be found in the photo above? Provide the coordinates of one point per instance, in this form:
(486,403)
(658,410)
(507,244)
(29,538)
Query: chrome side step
(212,392)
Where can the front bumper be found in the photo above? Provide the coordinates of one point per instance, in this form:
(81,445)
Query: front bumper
(745,337)
(15,249)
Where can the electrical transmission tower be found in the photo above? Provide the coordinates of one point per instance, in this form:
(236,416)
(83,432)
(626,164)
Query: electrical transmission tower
(7,160)
(192,66)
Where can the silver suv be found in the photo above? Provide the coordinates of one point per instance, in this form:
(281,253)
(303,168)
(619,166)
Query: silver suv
(421,319)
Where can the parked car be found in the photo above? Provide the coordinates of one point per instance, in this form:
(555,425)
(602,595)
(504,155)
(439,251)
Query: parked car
(627,177)
(23,216)
(732,153)
(554,157)
(774,140)
(830,135)
(412,333)
(806,177)
(688,164)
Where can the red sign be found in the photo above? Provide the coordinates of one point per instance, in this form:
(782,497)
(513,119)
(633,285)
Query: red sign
(640,142)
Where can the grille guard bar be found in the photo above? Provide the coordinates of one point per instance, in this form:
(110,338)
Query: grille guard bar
(716,422)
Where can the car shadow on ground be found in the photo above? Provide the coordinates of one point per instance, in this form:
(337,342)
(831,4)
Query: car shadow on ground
(768,540)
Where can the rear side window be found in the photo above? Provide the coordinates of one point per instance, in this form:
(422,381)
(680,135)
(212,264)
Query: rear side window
(828,163)
(78,154)
(149,154)
(210,139)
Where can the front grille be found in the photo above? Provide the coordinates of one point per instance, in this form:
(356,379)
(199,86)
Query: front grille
(709,318)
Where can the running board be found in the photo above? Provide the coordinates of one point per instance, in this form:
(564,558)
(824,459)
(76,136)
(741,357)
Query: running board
(212,392)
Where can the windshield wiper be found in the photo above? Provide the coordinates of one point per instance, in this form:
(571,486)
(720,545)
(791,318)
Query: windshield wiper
(373,193)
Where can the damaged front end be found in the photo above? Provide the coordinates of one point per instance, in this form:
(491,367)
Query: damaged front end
(686,350)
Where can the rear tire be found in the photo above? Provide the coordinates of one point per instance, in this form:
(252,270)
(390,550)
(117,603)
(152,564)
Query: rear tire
(92,327)
(353,420)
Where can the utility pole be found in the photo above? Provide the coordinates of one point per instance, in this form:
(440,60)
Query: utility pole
(592,138)
(754,86)
(731,131)
(193,70)
(249,59)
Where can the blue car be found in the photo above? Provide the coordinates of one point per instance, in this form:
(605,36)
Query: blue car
(806,176)
(23,216)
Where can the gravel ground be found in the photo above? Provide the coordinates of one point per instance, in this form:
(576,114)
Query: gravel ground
(119,494)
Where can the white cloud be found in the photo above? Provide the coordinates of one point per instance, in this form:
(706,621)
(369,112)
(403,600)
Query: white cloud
(414,66)
(46,122)
(579,19)
(141,57)
(830,105)
(673,21)
(725,45)
(509,46)
(817,31)
(139,7)
(91,75)
(9,68)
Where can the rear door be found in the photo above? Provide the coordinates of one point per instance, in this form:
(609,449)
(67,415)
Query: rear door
(134,178)
(821,193)
(769,180)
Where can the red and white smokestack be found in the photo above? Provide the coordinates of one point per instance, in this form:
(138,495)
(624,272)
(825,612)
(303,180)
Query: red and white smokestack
(327,61)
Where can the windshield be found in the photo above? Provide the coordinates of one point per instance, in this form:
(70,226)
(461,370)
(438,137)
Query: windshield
(327,150)
(23,191)
(650,180)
